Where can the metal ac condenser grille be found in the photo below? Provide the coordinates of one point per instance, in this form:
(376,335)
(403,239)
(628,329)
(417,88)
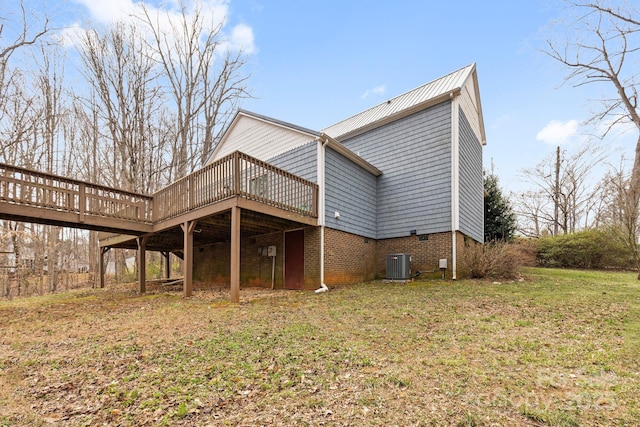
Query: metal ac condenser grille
(398,266)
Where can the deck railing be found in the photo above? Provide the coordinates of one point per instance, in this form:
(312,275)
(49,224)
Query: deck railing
(234,175)
(237,175)
(24,187)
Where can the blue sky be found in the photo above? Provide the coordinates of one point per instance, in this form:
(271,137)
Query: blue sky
(314,63)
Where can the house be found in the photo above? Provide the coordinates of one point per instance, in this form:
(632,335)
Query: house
(397,178)
(286,206)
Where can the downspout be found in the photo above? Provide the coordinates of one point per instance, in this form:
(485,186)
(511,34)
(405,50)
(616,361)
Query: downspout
(455,180)
(321,207)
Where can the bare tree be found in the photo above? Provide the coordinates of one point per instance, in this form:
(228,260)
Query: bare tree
(534,215)
(25,37)
(90,158)
(204,77)
(601,46)
(17,125)
(564,183)
(52,130)
(122,76)
(621,212)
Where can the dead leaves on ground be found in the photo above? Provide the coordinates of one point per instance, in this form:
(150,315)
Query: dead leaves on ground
(430,352)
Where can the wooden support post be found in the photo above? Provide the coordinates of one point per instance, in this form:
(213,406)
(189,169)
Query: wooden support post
(187,229)
(235,254)
(142,264)
(101,265)
(167,265)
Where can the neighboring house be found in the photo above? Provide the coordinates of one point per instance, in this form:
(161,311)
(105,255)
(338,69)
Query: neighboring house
(402,177)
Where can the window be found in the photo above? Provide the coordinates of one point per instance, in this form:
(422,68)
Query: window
(259,186)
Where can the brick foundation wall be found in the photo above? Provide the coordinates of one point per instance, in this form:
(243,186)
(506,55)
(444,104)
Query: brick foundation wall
(255,265)
(312,257)
(211,262)
(348,258)
(460,248)
(425,254)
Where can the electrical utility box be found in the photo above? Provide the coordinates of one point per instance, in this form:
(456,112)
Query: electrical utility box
(271,251)
(398,266)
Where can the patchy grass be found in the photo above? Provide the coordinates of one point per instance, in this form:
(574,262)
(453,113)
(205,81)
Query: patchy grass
(560,349)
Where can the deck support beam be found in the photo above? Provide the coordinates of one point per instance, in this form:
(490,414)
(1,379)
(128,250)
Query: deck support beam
(187,229)
(235,255)
(142,264)
(101,264)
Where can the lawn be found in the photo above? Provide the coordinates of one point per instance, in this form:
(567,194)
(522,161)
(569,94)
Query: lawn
(561,348)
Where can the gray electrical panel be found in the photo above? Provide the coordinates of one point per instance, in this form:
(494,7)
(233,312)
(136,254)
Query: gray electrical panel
(398,266)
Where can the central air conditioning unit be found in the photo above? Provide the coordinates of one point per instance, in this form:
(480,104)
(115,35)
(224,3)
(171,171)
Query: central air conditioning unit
(398,266)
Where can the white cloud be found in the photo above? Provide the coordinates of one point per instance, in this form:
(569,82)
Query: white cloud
(213,14)
(557,132)
(69,36)
(108,11)
(378,90)
(242,38)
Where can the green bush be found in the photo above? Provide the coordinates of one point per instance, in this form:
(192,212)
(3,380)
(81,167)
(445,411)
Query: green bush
(597,248)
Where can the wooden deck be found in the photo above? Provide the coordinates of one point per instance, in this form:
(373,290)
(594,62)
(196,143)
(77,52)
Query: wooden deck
(232,184)
(30,196)
(255,184)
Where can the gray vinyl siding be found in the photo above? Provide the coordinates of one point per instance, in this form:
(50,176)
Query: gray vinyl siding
(351,191)
(300,161)
(414,155)
(471,183)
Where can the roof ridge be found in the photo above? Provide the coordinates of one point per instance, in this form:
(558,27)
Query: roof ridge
(390,100)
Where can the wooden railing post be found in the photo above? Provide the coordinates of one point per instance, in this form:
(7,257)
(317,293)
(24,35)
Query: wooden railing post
(236,173)
(190,192)
(314,201)
(81,201)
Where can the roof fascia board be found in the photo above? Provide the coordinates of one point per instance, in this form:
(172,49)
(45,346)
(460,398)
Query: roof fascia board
(224,137)
(344,151)
(474,75)
(264,119)
(400,114)
(483,135)
(280,123)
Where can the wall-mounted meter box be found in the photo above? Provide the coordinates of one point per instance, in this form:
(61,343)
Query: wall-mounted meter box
(443,263)
(271,251)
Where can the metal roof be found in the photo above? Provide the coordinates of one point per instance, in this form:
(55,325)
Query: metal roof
(404,103)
